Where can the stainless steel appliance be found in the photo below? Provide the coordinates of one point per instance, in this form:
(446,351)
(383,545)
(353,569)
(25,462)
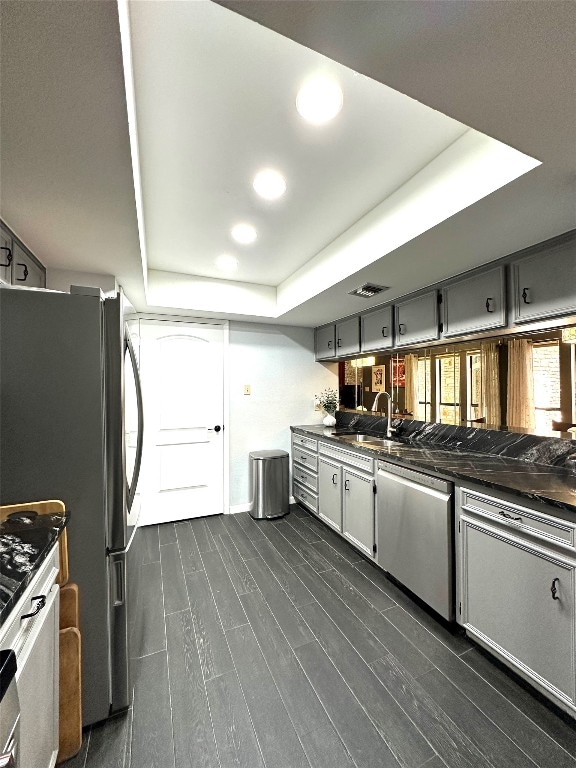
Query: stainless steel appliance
(9,711)
(71,429)
(414,533)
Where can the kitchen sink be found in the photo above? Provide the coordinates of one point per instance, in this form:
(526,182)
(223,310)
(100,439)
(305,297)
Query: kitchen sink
(360,437)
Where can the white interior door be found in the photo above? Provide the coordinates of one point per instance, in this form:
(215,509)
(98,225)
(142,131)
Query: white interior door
(182,368)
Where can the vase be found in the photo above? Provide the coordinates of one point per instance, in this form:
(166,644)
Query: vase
(329,420)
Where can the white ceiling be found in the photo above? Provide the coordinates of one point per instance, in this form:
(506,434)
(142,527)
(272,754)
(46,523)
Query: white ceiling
(214,98)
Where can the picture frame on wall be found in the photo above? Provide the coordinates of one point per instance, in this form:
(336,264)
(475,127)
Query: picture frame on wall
(378,378)
(398,373)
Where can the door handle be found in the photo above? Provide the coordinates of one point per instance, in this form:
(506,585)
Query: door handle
(334,478)
(385,331)
(525,295)
(346,485)
(488,305)
(400,331)
(41,602)
(554,589)
(25,273)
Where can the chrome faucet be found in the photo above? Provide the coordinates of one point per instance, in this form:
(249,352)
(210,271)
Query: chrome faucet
(389,414)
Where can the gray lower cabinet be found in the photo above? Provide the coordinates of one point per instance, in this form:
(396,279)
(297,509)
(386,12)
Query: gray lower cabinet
(476,303)
(416,320)
(358,510)
(376,330)
(305,471)
(325,342)
(330,492)
(346,494)
(348,337)
(6,256)
(518,593)
(544,284)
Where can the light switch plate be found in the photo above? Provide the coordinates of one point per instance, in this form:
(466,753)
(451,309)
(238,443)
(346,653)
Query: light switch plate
(247,389)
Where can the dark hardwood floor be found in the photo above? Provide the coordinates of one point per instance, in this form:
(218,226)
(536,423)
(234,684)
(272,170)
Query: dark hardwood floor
(275,645)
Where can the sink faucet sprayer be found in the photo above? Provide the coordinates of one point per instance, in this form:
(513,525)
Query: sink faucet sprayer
(389,413)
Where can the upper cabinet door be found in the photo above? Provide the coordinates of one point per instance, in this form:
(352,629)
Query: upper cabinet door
(376,330)
(26,271)
(6,256)
(417,319)
(545,283)
(475,303)
(348,337)
(326,342)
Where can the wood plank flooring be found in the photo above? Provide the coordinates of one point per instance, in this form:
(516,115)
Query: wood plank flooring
(274,644)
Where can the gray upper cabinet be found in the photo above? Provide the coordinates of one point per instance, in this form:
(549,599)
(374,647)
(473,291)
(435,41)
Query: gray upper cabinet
(376,329)
(348,337)
(416,320)
(545,283)
(26,270)
(6,256)
(326,342)
(475,303)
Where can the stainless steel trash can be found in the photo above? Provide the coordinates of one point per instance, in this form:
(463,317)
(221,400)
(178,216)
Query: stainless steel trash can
(268,484)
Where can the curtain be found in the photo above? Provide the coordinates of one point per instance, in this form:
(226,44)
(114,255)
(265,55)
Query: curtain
(411,385)
(490,383)
(520,411)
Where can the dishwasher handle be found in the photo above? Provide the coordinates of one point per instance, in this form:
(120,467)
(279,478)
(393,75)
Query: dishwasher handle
(415,476)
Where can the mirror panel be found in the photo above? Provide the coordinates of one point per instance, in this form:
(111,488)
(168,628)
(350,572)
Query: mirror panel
(467,383)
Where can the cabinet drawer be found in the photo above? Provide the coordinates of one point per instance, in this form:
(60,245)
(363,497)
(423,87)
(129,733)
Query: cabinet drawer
(302,441)
(519,518)
(305,458)
(347,457)
(308,499)
(304,477)
(17,630)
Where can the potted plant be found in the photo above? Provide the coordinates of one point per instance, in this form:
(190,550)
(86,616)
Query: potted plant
(328,401)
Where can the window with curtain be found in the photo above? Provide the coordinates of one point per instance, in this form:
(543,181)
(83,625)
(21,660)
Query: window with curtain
(520,410)
(546,371)
(448,389)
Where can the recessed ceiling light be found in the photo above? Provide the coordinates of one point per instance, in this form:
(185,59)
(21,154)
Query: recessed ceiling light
(227,263)
(319,100)
(244,233)
(269,184)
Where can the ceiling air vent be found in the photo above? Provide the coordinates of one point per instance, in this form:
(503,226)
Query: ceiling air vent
(368,290)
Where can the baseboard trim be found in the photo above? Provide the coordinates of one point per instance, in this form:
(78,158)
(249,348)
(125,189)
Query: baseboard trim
(234,509)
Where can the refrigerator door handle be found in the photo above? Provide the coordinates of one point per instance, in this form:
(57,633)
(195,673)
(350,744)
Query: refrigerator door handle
(119,584)
(140,438)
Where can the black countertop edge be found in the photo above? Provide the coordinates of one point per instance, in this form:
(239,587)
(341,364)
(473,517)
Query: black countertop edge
(519,480)
(41,535)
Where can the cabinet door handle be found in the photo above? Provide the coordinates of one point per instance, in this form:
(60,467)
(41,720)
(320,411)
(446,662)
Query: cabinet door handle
(40,603)
(25,273)
(510,517)
(488,305)
(330,344)
(334,476)
(554,589)
(385,331)
(339,343)
(525,295)
(302,458)
(8,256)
(400,331)
(346,485)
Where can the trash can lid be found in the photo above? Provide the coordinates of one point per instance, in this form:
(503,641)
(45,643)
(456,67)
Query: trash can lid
(268,454)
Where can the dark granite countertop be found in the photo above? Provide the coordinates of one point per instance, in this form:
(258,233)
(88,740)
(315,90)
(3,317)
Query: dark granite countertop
(550,484)
(25,541)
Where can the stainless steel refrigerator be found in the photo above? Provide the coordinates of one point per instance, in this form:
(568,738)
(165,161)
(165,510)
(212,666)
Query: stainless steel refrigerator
(71,428)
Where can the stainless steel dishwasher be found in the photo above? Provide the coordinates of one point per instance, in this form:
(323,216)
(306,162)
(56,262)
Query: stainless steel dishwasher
(414,533)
